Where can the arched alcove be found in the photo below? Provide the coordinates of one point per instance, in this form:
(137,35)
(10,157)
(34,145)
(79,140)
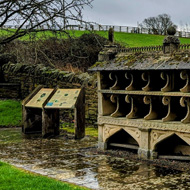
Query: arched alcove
(174,146)
(122,139)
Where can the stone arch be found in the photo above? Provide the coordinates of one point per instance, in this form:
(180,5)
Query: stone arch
(173,144)
(122,136)
(109,131)
(185,137)
(164,136)
(134,134)
(156,138)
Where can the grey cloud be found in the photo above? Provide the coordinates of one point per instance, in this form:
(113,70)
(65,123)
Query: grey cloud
(129,12)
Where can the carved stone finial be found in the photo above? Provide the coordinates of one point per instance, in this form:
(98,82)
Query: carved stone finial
(171,31)
(171,42)
(111,35)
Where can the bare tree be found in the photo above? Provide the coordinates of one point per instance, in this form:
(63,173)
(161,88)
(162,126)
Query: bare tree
(159,24)
(32,15)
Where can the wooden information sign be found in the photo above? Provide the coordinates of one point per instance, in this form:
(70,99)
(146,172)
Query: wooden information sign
(50,101)
(38,100)
(63,99)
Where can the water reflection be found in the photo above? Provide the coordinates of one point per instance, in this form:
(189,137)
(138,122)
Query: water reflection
(69,160)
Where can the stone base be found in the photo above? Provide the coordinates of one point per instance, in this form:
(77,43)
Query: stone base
(147,134)
(143,153)
(102,146)
(153,155)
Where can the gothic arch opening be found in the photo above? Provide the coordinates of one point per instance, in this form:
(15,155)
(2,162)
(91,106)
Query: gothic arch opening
(122,139)
(173,146)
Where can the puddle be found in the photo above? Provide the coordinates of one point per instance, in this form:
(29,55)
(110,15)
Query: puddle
(65,159)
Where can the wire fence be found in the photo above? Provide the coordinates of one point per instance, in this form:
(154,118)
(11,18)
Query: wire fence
(127,29)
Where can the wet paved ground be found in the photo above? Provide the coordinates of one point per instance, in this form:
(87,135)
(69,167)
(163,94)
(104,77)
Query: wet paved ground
(65,159)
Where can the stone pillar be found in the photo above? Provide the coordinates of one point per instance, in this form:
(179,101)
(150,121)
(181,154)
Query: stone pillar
(109,51)
(144,148)
(153,155)
(100,98)
(171,43)
(101,144)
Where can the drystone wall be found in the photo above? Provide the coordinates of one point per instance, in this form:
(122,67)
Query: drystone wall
(29,76)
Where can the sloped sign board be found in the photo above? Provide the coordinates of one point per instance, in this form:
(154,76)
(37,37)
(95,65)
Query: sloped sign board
(63,99)
(38,100)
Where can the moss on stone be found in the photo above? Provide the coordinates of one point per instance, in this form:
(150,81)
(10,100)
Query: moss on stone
(128,59)
(173,63)
(185,59)
(98,64)
(178,57)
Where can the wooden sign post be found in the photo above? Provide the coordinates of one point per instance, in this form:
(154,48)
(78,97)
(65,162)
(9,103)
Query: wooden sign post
(41,110)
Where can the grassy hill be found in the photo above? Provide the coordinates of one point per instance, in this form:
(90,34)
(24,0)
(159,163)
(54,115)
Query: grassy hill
(127,39)
(135,40)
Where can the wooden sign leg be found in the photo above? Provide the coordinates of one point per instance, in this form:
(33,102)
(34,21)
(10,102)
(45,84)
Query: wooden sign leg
(50,122)
(25,119)
(31,120)
(80,116)
(28,118)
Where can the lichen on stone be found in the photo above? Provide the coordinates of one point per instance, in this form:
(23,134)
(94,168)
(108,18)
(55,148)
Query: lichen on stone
(98,64)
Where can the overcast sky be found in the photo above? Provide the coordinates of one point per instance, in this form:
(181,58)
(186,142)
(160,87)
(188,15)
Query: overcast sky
(131,12)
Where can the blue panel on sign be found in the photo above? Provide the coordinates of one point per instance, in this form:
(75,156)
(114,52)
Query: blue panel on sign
(49,104)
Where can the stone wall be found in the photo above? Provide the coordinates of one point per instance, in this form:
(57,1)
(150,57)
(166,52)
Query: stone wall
(30,76)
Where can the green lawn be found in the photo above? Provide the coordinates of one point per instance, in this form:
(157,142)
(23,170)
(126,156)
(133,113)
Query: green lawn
(127,39)
(140,40)
(12,178)
(10,113)
(69,127)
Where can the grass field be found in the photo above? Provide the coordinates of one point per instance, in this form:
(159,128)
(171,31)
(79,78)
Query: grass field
(10,113)
(137,40)
(12,178)
(91,131)
(127,39)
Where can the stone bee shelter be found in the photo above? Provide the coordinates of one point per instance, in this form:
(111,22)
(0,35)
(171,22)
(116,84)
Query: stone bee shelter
(144,99)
